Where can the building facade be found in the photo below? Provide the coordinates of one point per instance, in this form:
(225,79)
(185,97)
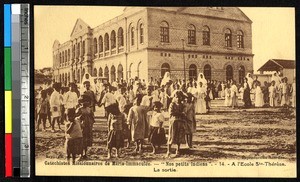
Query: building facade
(148,41)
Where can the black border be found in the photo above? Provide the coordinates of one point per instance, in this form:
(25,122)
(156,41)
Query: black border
(239,3)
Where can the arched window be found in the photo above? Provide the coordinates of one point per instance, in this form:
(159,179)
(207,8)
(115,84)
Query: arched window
(74,76)
(113,39)
(68,77)
(120,37)
(228,38)
(82,74)
(241,74)
(120,71)
(100,72)
(206,35)
(69,58)
(240,39)
(60,59)
(100,44)
(132,35)
(164,31)
(138,69)
(165,68)
(207,72)
(129,70)
(229,72)
(113,73)
(78,76)
(141,33)
(193,71)
(106,72)
(106,42)
(78,50)
(83,48)
(191,34)
(95,46)
(95,72)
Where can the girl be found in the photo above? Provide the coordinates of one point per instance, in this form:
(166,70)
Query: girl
(163,98)
(227,96)
(246,94)
(259,100)
(272,92)
(138,123)
(87,120)
(42,113)
(73,136)
(233,92)
(177,123)
(116,121)
(190,119)
(157,135)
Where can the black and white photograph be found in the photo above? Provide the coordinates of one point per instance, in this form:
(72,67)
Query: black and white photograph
(164,91)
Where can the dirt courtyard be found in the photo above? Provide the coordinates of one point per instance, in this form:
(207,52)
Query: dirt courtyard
(224,133)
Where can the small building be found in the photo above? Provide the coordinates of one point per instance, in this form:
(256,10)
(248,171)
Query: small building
(285,67)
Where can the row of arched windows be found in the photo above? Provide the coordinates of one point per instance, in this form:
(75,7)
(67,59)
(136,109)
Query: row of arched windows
(113,40)
(113,74)
(64,58)
(206,35)
(206,71)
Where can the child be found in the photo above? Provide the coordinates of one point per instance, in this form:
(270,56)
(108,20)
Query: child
(189,110)
(259,100)
(42,113)
(116,121)
(157,135)
(177,123)
(272,93)
(137,123)
(73,136)
(87,120)
(227,96)
(55,103)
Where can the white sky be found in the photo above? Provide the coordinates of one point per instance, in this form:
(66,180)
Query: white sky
(273,30)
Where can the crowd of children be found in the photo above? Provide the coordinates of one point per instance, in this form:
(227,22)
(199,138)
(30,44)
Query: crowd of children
(135,110)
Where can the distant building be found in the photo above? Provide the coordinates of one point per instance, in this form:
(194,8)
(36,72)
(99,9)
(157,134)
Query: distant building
(285,67)
(148,41)
(47,71)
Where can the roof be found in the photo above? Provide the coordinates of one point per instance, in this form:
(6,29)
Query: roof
(278,64)
(233,13)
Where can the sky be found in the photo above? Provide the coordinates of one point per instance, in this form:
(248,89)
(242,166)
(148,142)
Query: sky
(273,29)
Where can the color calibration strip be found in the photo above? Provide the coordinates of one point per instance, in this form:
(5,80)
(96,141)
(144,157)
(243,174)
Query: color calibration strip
(8,90)
(17,90)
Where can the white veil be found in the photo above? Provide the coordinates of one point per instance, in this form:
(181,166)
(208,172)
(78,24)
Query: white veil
(201,78)
(166,78)
(276,78)
(249,80)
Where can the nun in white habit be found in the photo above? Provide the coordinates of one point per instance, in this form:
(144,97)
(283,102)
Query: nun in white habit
(166,79)
(249,80)
(201,79)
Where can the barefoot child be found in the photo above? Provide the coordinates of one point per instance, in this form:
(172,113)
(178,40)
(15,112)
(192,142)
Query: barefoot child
(87,120)
(189,110)
(177,123)
(115,139)
(157,135)
(73,136)
(42,113)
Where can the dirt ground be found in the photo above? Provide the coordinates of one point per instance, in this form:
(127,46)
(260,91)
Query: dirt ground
(224,133)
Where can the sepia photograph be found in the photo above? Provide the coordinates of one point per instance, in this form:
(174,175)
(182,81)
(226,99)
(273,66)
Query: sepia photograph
(165,91)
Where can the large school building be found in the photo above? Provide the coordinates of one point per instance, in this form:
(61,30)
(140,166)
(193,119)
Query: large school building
(148,41)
